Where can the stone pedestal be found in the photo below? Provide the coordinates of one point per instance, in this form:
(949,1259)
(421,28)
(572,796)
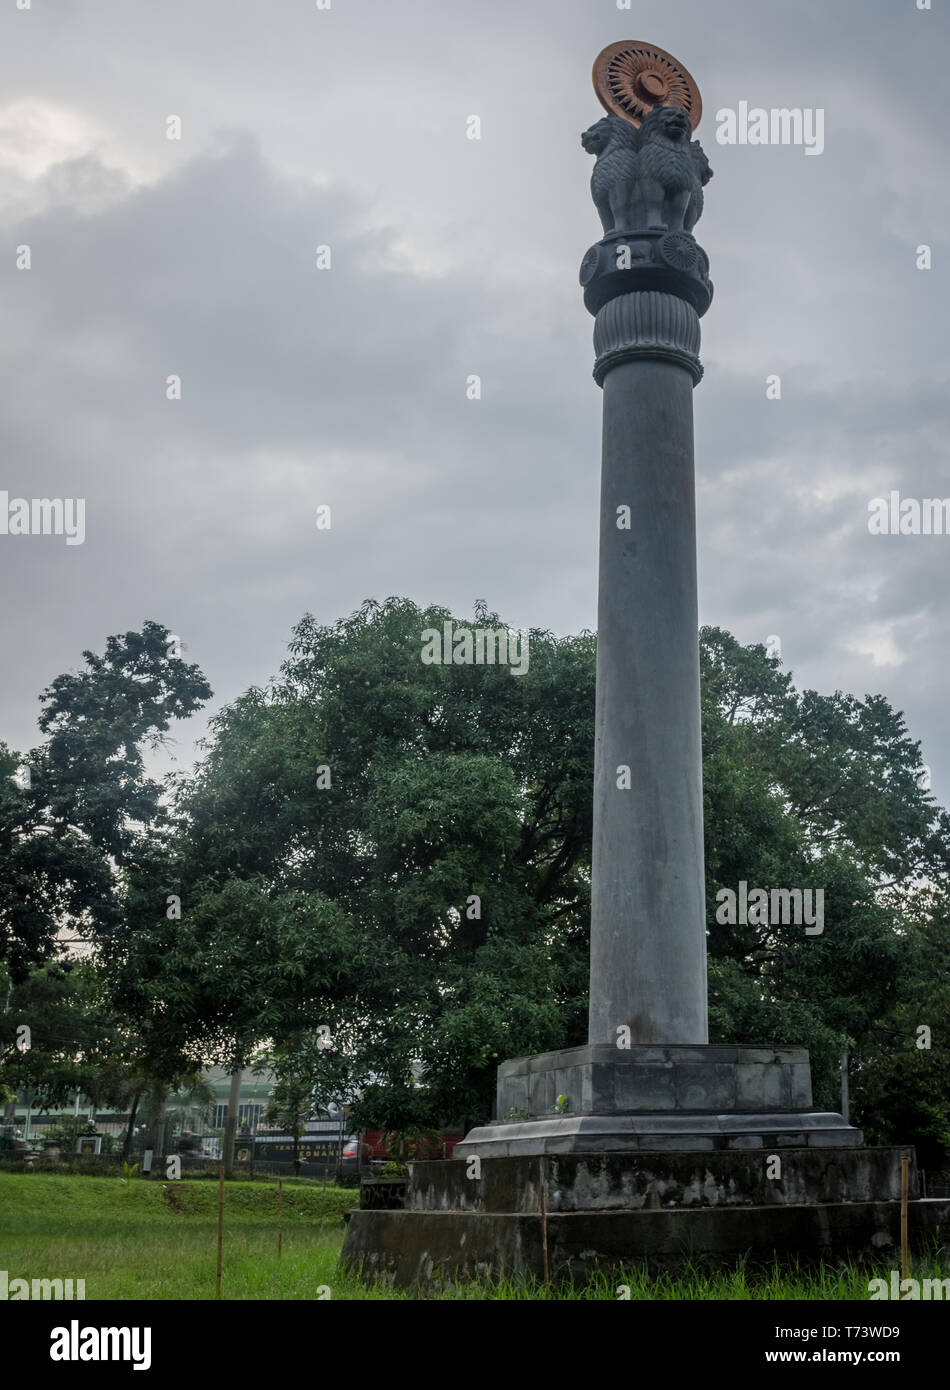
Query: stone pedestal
(595,1098)
(616,1211)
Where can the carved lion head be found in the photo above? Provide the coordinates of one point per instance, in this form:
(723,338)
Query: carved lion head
(667,123)
(608,130)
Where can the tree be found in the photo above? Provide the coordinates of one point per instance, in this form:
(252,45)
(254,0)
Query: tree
(77,1042)
(399,852)
(62,1007)
(78,816)
(392,850)
(189,1102)
(311,1074)
(82,810)
(803,790)
(901,1064)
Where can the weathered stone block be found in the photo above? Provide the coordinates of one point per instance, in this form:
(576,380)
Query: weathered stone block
(542,1093)
(620,1180)
(432,1249)
(706,1086)
(673,1142)
(518,1066)
(800,1095)
(643,1088)
(683,1053)
(762,1086)
(822,1139)
(699,1093)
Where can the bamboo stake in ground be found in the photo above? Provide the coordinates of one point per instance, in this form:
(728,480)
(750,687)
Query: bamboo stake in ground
(905,1175)
(217,1287)
(280,1216)
(543,1205)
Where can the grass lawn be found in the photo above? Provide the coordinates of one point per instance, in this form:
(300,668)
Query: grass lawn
(154,1240)
(148,1239)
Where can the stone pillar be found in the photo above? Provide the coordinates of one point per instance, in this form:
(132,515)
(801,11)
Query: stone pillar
(660,1091)
(648,942)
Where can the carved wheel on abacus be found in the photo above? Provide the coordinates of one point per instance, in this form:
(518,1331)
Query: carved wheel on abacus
(630,78)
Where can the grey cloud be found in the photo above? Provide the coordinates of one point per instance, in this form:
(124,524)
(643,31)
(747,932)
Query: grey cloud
(452,258)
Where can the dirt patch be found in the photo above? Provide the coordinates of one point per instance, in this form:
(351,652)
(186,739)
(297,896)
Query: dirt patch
(170,1198)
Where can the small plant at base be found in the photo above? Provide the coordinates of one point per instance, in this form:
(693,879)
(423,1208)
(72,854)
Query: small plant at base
(516,1113)
(129,1171)
(394,1170)
(561,1105)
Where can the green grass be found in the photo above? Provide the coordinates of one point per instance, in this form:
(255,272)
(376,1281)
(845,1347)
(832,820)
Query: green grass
(131,1240)
(154,1240)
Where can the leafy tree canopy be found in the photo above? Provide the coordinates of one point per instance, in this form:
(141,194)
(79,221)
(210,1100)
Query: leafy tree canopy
(400,853)
(79,809)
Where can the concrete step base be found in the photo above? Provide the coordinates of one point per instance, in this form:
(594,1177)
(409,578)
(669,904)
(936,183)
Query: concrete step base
(641,1181)
(562,1134)
(431,1249)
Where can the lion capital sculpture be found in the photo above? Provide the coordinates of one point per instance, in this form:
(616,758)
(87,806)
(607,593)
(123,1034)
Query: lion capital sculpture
(649,178)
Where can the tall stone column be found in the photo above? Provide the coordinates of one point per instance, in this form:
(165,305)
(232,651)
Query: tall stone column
(647,1142)
(648,1079)
(648,942)
(647,283)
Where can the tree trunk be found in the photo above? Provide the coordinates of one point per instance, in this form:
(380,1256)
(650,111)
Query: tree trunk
(160,1125)
(127,1144)
(231,1128)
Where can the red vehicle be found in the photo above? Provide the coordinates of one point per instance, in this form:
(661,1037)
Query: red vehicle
(374,1148)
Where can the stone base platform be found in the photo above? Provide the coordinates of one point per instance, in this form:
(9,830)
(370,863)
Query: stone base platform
(647,1097)
(648,1181)
(599,1079)
(645,1153)
(623,1133)
(465,1219)
(434,1249)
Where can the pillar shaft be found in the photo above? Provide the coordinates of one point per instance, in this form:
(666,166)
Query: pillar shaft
(648,942)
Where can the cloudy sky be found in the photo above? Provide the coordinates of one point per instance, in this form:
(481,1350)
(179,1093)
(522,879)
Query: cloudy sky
(346,127)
